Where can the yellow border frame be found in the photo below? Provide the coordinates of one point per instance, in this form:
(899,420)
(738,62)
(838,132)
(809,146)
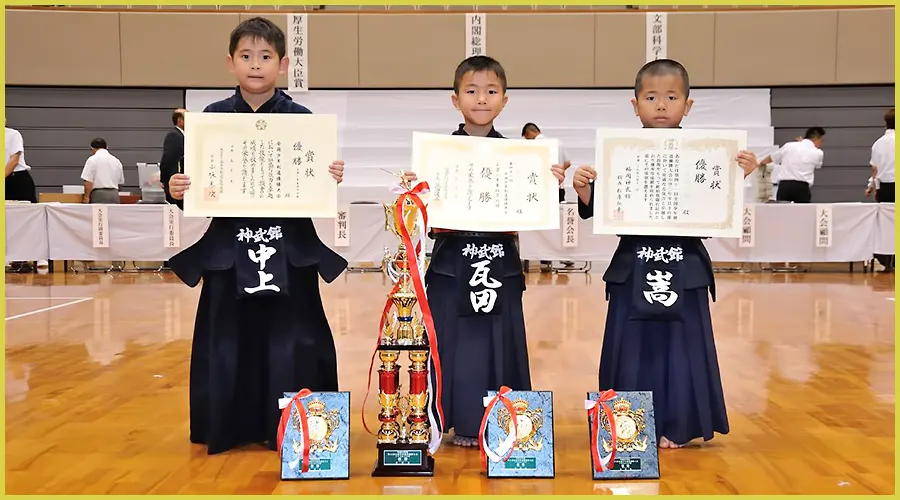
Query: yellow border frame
(696,4)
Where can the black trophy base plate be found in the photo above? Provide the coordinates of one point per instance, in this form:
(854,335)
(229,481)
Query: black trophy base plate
(403,460)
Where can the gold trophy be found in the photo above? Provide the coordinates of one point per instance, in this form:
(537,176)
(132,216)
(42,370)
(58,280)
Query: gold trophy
(405,431)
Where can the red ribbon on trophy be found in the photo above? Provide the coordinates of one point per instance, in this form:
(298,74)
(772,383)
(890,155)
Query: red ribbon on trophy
(412,263)
(387,309)
(593,407)
(482,430)
(304,426)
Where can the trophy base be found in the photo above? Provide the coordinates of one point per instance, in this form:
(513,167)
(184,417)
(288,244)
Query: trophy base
(399,460)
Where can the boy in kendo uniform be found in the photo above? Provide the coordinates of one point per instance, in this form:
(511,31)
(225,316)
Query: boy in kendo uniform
(476,298)
(664,346)
(260,328)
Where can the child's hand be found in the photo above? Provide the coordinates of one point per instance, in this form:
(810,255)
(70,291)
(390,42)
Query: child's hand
(559,171)
(178,184)
(747,161)
(410,177)
(583,177)
(336,169)
(582,182)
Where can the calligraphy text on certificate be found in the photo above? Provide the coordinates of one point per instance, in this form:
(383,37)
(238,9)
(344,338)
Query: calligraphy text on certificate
(669,182)
(267,165)
(488,184)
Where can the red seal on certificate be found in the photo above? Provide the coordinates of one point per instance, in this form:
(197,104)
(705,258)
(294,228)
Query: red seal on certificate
(618,215)
(210,194)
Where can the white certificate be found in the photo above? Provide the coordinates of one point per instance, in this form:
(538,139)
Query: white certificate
(669,182)
(488,184)
(260,165)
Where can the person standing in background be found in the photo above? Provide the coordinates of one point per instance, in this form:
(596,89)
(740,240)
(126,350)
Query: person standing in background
(882,180)
(19,183)
(797,164)
(773,175)
(172,161)
(102,175)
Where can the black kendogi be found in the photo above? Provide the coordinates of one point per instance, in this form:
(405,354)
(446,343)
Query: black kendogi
(660,342)
(482,346)
(259,331)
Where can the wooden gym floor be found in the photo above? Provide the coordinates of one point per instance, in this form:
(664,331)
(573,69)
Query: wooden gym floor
(97,389)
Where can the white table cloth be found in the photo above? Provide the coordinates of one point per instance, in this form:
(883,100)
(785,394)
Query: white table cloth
(784,233)
(136,233)
(26,232)
(884,240)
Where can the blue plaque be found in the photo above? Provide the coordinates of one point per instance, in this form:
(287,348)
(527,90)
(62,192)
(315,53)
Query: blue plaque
(328,422)
(533,454)
(637,455)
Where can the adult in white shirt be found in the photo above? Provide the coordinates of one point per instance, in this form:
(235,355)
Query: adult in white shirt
(882,163)
(773,177)
(102,175)
(19,184)
(797,163)
(882,180)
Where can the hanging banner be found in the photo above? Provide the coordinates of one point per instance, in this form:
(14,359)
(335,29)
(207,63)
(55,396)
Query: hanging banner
(476,35)
(657,40)
(298,50)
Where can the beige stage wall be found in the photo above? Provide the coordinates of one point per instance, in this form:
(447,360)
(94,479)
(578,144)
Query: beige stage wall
(406,50)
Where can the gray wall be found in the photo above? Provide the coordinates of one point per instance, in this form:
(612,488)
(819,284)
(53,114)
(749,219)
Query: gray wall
(58,124)
(853,118)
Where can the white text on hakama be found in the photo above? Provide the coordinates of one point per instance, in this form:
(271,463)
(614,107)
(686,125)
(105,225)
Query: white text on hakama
(261,255)
(665,255)
(660,283)
(484,299)
(260,235)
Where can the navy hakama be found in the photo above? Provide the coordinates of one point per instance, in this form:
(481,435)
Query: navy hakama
(483,349)
(475,284)
(260,328)
(659,334)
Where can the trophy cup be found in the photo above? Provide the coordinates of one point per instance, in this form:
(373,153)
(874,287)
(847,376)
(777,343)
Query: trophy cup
(405,431)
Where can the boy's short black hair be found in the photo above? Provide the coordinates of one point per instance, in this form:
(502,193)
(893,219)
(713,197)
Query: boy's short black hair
(530,126)
(98,143)
(814,133)
(889,119)
(662,67)
(477,64)
(258,28)
(178,114)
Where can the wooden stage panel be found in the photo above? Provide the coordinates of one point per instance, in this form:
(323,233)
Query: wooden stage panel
(97,390)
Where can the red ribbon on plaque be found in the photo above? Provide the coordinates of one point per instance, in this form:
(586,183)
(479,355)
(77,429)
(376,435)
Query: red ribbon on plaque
(482,430)
(304,426)
(601,464)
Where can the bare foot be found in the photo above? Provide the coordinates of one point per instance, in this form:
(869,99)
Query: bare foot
(465,442)
(664,442)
